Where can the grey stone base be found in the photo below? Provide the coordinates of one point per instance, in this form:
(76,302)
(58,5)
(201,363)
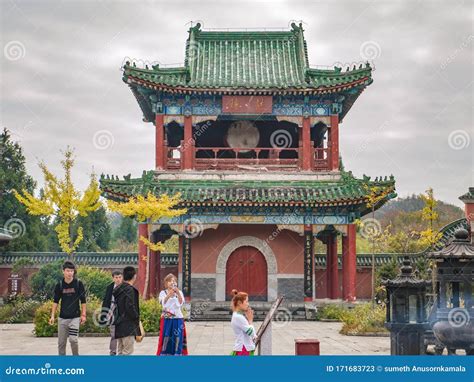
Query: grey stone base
(291,288)
(203,288)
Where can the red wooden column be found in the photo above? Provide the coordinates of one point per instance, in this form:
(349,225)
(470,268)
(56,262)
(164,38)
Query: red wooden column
(188,143)
(332,277)
(306,142)
(349,264)
(334,138)
(142,258)
(160,154)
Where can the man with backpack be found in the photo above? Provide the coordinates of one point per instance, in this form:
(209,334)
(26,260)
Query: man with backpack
(71,292)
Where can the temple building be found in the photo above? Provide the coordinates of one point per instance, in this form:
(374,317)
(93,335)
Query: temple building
(248,133)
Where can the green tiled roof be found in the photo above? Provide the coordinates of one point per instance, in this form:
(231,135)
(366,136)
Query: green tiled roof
(347,191)
(468,196)
(96,259)
(364,260)
(448,232)
(262,60)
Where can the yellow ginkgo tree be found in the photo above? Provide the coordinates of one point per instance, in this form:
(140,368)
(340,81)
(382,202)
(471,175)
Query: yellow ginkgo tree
(429,237)
(375,195)
(63,202)
(149,208)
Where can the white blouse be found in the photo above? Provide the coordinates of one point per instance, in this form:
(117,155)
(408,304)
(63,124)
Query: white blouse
(244,332)
(173,305)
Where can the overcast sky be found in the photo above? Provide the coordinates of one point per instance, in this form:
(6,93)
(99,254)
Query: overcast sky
(61,81)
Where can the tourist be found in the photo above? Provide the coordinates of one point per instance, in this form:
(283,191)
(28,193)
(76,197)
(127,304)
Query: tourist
(172,339)
(71,292)
(127,323)
(109,311)
(242,319)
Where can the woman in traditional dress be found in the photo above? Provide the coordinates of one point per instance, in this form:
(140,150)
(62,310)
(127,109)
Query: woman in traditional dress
(242,320)
(172,339)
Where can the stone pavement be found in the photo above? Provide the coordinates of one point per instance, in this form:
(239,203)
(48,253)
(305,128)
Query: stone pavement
(213,338)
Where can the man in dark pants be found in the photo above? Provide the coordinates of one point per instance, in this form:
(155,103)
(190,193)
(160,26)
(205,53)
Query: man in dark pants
(109,309)
(127,325)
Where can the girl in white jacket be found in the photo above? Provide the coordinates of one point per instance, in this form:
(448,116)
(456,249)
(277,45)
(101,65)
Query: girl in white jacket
(242,320)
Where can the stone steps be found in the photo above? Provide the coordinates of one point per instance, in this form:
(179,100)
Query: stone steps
(220,311)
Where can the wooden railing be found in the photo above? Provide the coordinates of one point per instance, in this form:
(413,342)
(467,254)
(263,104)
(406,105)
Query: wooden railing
(226,158)
(321,158)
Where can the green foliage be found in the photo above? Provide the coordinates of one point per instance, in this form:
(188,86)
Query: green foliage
(95,280)
(42,326)
(364,319)
(96,230)
(18,310)
(127,230)
(386,271)
(150,312)
(32,233)
(44,281)
(330,312)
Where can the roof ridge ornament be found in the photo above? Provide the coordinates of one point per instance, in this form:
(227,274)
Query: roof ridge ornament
(196,28)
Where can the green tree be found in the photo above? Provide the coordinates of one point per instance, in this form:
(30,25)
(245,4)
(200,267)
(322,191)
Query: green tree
(96,231)
(30,233)
(127,230)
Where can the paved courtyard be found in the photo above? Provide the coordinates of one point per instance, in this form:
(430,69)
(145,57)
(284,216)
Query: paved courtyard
(204,338)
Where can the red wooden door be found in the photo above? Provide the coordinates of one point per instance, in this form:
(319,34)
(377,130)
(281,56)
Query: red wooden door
(246,271)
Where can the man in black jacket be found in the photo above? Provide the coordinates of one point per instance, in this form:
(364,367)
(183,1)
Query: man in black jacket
(109,310)
(127,324)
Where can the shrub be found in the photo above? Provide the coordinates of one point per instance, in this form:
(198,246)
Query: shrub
(19,310)
(150,313)
(95,280)
(42,326)
(364,319)
(330,312)
(44,281)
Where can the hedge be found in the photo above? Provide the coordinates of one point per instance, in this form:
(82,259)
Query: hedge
(364,319)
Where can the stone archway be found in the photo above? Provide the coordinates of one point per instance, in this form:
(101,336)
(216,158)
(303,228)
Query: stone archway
(230,247)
